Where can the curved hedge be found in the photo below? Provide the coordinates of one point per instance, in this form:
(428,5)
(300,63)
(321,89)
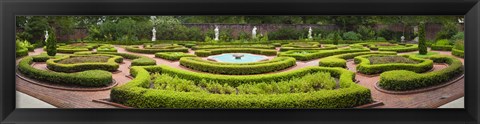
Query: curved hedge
(106,48)
(90,78)
(459,53)
(137,60)
(135,49)
(340,60)
(401,80)
(441,47)
(111,65)
(364,66)
(318,48)
(256,46)
(273,65)
(406,48)
(135,93)
(21,52)
(209,52)
(173,56)
(318,54)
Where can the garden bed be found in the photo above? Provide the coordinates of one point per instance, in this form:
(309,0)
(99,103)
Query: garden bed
(273,65)
(365,66)
(78,63)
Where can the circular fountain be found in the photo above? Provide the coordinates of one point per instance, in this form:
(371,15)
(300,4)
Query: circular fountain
(237,58)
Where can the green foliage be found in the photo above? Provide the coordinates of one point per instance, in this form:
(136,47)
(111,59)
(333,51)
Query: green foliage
(137,60)
(153,51)
(273,65)
(422,46)
(399,48)
(106,48)
(134,94)
(51,43)
(459,53)
(458,36)
(366,33)
(315,54)
(340,60)
(459,45)
(258,46)
(364,65)
(442,42)
(285,34)
(90,78)
(110,65)
(306,46)
(442,47)
(407,80)
(173,56)
(351,36)
(209,52)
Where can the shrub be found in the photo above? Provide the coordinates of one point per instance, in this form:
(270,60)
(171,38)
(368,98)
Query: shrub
(459,53)
(340,60)
(106,48)
(442,42)
(275,64)
(364,66)
(458,36)
(20,49)
(153,51)
(285,34)
(257,46)
(137,60)
(51,44)
(422,46)
(406,48)
(90,78)
(209,52)
(407,80)
(173,56)
(111,65)
(459,45)
(442,47)
(309,55)
(134,94)
(351,36)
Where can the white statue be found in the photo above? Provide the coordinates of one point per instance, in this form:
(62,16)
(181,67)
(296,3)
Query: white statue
(310,33)
(254,32)
(46,35)
(216,33)
(154,34)
(403,38)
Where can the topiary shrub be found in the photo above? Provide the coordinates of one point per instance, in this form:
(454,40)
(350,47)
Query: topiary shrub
(273,65)
(364,65)
(401,80)
(209,52)
(137,60)
(136,49)
(422,46)
(351,36)
(400,48)
(340,60)
(51,44)
(309,55)
(110,65)
(173,56)
(90,78)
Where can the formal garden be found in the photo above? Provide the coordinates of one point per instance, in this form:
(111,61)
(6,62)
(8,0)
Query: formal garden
(241,61)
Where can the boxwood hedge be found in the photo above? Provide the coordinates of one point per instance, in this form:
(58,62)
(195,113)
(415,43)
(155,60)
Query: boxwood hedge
(273,65)
(441,47)
(106,48)
(401,48)
(136,49)
(209,52)
(256,46)
(111,65)
(173,56)
(364,66)
(135,93)
(401,80)
(21,52)
(90,78)
(340,60)
(459,53)
(318,54)
(137,60)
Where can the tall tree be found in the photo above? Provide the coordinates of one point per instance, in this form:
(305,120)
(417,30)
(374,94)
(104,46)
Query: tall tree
(422,46)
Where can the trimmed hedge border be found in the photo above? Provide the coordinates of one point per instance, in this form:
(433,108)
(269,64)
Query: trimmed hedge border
(300,48)
(135,94)
(401,80)
(90,78)
(364,66)
(256,46)
(273,65)
(407,48)
(209,52)
(112,64)
(137,60)
(21,52)
(172,56)
(341,60)
(319,54)
(459,53)
(135,49)
(442,47)
(106,48)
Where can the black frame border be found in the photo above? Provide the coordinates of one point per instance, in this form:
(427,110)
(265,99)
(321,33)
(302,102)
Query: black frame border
(11,8)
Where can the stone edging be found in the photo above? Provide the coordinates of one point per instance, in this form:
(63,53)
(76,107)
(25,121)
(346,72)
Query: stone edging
(108,102)
(418,90)
(113,84)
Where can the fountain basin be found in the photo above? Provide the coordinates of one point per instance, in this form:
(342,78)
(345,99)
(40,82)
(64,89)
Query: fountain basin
(237,58)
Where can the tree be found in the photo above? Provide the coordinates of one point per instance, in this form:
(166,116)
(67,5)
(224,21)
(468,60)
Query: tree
(422,46)
(51,43)
(336,37)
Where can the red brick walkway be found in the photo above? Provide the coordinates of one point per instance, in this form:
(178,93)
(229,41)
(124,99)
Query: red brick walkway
(83,99)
